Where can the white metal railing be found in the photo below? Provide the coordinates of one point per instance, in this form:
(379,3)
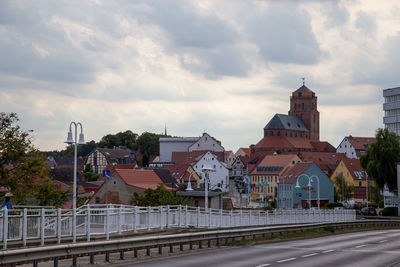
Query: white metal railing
(21,225)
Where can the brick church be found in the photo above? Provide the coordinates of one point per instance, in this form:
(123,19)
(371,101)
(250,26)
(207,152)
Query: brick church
(296,132)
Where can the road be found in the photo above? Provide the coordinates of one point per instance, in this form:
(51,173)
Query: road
(370,248)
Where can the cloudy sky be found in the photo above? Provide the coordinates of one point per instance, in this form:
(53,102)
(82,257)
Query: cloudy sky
(224,67)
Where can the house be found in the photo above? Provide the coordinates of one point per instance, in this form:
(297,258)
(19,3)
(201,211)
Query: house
(291,196)
(183,173)
(265,177)
(238,169)
(218,177)
(168,145)
(354,147)
(243,151)
(354,175)
(122,185)
(101,157)
(326,161)
(229,158)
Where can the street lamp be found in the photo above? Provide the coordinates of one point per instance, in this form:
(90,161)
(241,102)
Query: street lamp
(317,189)
(309,186)
(189,186)
(71,141)
(206,169)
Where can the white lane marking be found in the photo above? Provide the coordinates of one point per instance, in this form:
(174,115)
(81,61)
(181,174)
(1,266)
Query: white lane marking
(327,251)
(285,260)
(382,241)
(263,265)
(309,255)
(360,246)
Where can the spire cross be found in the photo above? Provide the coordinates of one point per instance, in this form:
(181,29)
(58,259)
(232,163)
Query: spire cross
(303,79)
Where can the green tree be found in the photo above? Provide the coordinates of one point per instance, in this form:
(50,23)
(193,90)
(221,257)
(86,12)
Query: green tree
(148,143)
(127,138)
(343,190)
(89,174)
(380,158)
(47,194)
(20,163)
(158,197)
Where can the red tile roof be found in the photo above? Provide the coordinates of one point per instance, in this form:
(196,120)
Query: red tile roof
(194,156)
(274,160)
(354,167)
(323,146)
(247,151)
(140,178)
(280,142)
(291,174)
(361,143)
(326,161)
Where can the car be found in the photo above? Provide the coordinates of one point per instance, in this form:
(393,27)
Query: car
(370,211)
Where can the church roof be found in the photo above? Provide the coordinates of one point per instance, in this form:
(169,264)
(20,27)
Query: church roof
(303,89)
(286,122)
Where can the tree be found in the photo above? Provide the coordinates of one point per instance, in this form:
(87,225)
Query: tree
(127,138)
(89,174)
(380,159)
(343,190)
(20,163)
(148,144)
(47,194)
(158,197)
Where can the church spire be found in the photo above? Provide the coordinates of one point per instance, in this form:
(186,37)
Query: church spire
(165,130)
(303,80)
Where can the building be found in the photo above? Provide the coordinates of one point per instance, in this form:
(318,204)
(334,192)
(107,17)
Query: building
(391,107)
(296,132)
(101,157)
(123,183)
(354,147)
(354,175)
(168,145)
(292,197)
(265,177)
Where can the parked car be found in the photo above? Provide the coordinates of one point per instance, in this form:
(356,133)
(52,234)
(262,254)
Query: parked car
(371,211)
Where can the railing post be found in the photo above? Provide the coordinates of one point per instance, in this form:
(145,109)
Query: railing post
(107,223)
(179,215)
(120,220)
(42,220)
(198,217)
(209,218)
(58,226)
(5,228)
(135,218)
(249,217)
(167,220)
(186,216)
(220,218)
(240,219)
(231,218)
(258,220)
(161,217)
(24,226)
(148,219)
(88,220)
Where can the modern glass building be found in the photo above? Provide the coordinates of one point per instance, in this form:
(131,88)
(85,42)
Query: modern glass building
(391,107)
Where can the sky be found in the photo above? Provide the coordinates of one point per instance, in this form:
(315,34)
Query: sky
(222,67)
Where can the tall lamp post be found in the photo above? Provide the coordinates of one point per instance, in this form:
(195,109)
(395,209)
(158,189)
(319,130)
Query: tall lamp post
(309,186)
(206,169)
(314,176)
(71,141)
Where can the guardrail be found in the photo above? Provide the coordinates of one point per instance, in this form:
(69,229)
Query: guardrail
(54,252)
(42,225)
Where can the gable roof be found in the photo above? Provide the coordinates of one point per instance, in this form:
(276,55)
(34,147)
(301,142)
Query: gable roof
(286,122)
(323,146)
(194,156)
(326,161)
(116,153)
(140,178)
(246,150)
(273,164)
(280,142)
(165,175)
(361,143)
(354,167)
(291,174)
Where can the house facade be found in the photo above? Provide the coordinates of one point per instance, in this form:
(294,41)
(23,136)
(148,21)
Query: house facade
(265,177)
(354,147)
(101,157)
(219,176)
(292,197)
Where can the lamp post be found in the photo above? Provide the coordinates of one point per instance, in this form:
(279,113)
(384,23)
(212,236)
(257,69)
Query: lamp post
(71,141)
(206,169)
(309,186)
(189,186)
(317,189)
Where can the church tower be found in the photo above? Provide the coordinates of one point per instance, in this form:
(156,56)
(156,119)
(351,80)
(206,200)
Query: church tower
(303,104)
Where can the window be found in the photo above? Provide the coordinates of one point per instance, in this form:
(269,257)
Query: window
(115,182)
(359,183)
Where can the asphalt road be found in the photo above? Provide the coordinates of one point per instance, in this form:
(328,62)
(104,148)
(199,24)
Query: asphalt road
(370,248)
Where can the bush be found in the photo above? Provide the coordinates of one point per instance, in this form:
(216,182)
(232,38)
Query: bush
(390,211)
(332,205)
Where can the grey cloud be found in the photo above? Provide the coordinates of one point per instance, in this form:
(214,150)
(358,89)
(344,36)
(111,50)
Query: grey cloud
(365,22)
(284,35)
(336,15)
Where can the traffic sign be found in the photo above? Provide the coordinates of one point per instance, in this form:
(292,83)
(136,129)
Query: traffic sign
(106,173)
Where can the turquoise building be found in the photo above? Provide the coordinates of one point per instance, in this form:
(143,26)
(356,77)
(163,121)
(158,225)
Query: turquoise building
(297,183)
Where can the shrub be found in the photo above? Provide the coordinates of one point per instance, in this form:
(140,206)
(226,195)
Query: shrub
(332,205)
(390,211)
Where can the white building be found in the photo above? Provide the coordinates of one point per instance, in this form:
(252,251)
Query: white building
(187,144)
(219,176)
(354,147)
